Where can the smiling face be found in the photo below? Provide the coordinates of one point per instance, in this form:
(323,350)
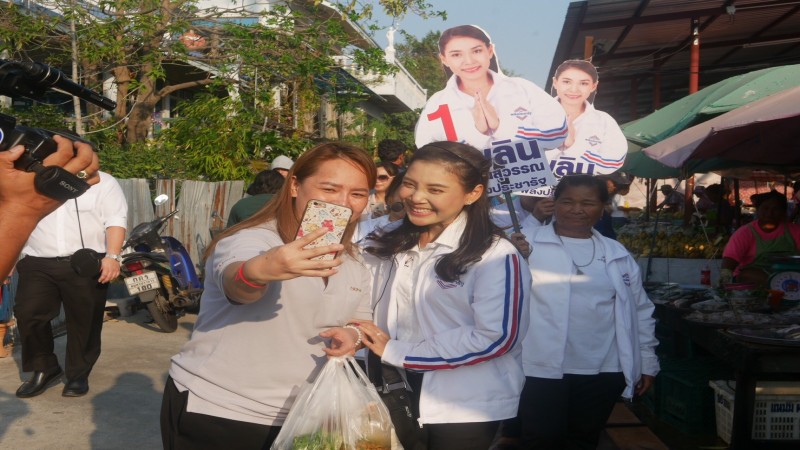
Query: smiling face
(577,209)
(574,86)
(467,57)
(434,196)
(338,181)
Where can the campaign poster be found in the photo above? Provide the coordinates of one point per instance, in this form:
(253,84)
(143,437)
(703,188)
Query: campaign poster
(486,109)
(509,117)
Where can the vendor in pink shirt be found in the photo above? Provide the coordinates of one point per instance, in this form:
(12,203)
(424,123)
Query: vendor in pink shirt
(747,255)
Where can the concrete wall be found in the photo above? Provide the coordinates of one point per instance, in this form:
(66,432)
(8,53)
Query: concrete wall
(678,270)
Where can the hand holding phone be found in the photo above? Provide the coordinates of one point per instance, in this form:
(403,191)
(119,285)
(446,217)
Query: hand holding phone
(319,214)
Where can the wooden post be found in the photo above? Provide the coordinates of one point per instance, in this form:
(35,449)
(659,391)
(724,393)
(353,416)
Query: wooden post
(588,48)
(694,81)
(656,85)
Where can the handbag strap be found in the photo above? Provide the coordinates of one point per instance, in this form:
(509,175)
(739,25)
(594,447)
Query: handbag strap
(386,378)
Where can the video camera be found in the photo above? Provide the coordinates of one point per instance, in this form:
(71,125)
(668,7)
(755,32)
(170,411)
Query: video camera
(32,80)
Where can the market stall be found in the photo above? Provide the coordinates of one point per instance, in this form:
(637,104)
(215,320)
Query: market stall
(751,332)
(758,340)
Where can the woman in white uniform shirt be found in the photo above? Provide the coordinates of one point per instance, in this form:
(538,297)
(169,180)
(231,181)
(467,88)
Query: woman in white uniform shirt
(480,105)
(591,337)
(450,298)
(269,313)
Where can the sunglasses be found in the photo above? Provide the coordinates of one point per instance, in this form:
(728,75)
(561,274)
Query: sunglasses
(383,177)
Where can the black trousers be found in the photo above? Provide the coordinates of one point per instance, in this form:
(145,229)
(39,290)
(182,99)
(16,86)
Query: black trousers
(569,413)
(450,436)
(45,285)
(182,430)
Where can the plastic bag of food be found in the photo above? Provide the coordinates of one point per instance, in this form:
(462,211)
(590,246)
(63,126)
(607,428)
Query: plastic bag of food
(341,410)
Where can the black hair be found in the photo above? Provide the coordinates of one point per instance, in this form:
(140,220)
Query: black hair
(470,31)
(580,64)
(390,149)
(472,169)
(391,168)
(266,182)
(393,187)
(582,180)
(714,191)
(759,199)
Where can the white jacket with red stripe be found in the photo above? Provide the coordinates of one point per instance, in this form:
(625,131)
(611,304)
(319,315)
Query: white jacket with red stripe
(472,331)
(525,111)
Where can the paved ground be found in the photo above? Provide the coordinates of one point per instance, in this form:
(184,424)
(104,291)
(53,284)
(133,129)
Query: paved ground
(122,407)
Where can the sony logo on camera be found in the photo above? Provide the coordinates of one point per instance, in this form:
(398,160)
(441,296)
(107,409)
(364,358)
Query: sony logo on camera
(67,186)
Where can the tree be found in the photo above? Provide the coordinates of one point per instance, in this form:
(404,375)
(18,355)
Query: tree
(398,126)
(246,85)
(238,52)
(421,58)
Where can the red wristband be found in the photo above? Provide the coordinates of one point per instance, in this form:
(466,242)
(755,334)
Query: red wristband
(240,277)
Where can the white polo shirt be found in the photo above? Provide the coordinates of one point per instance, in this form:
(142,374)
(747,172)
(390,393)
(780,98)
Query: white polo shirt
(247,362)
(100,207)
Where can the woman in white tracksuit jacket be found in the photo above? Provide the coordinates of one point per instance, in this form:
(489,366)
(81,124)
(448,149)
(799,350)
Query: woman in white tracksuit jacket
(479,105)
(450,297)
(591,337)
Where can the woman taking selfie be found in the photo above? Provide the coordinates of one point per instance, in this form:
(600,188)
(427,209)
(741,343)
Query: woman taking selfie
(270,313)
(591,337)
(480,105)
(450,299)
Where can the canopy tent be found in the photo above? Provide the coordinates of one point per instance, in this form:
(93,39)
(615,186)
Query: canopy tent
(696,108)
(637,163)
(713,100)
(764,134)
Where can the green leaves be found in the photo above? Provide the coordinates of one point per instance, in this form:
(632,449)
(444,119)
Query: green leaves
(280,63)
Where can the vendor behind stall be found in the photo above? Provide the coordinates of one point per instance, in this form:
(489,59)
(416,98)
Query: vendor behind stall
(746,257)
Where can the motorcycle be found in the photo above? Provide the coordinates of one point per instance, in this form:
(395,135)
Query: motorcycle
(160,272)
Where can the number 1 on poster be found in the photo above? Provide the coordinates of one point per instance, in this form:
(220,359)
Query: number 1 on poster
(443,113)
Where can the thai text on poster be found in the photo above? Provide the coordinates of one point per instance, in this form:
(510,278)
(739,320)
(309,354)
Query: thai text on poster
(517,166)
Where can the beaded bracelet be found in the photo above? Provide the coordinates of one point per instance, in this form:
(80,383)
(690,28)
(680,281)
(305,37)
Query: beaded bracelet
(240,277)
(358,332)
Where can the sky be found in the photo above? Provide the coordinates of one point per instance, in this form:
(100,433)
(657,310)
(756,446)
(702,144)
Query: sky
(525,32)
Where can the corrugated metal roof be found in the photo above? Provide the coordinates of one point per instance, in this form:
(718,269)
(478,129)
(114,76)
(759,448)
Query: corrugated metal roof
(638,42)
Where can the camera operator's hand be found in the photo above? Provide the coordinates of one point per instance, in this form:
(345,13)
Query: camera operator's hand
(21,206)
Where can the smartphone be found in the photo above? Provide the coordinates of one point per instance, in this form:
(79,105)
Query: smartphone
(319,214)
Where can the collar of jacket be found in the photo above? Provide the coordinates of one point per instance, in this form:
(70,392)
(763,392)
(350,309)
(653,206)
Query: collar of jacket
(548,235)
(451,235)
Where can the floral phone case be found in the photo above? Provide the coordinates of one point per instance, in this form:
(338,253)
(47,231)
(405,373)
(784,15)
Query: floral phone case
(323,214)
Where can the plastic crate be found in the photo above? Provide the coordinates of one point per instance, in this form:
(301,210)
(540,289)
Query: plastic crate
(723,407)
(701,369)
(687,403)
(776,415)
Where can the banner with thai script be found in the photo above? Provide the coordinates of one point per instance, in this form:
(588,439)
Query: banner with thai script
(517,166)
